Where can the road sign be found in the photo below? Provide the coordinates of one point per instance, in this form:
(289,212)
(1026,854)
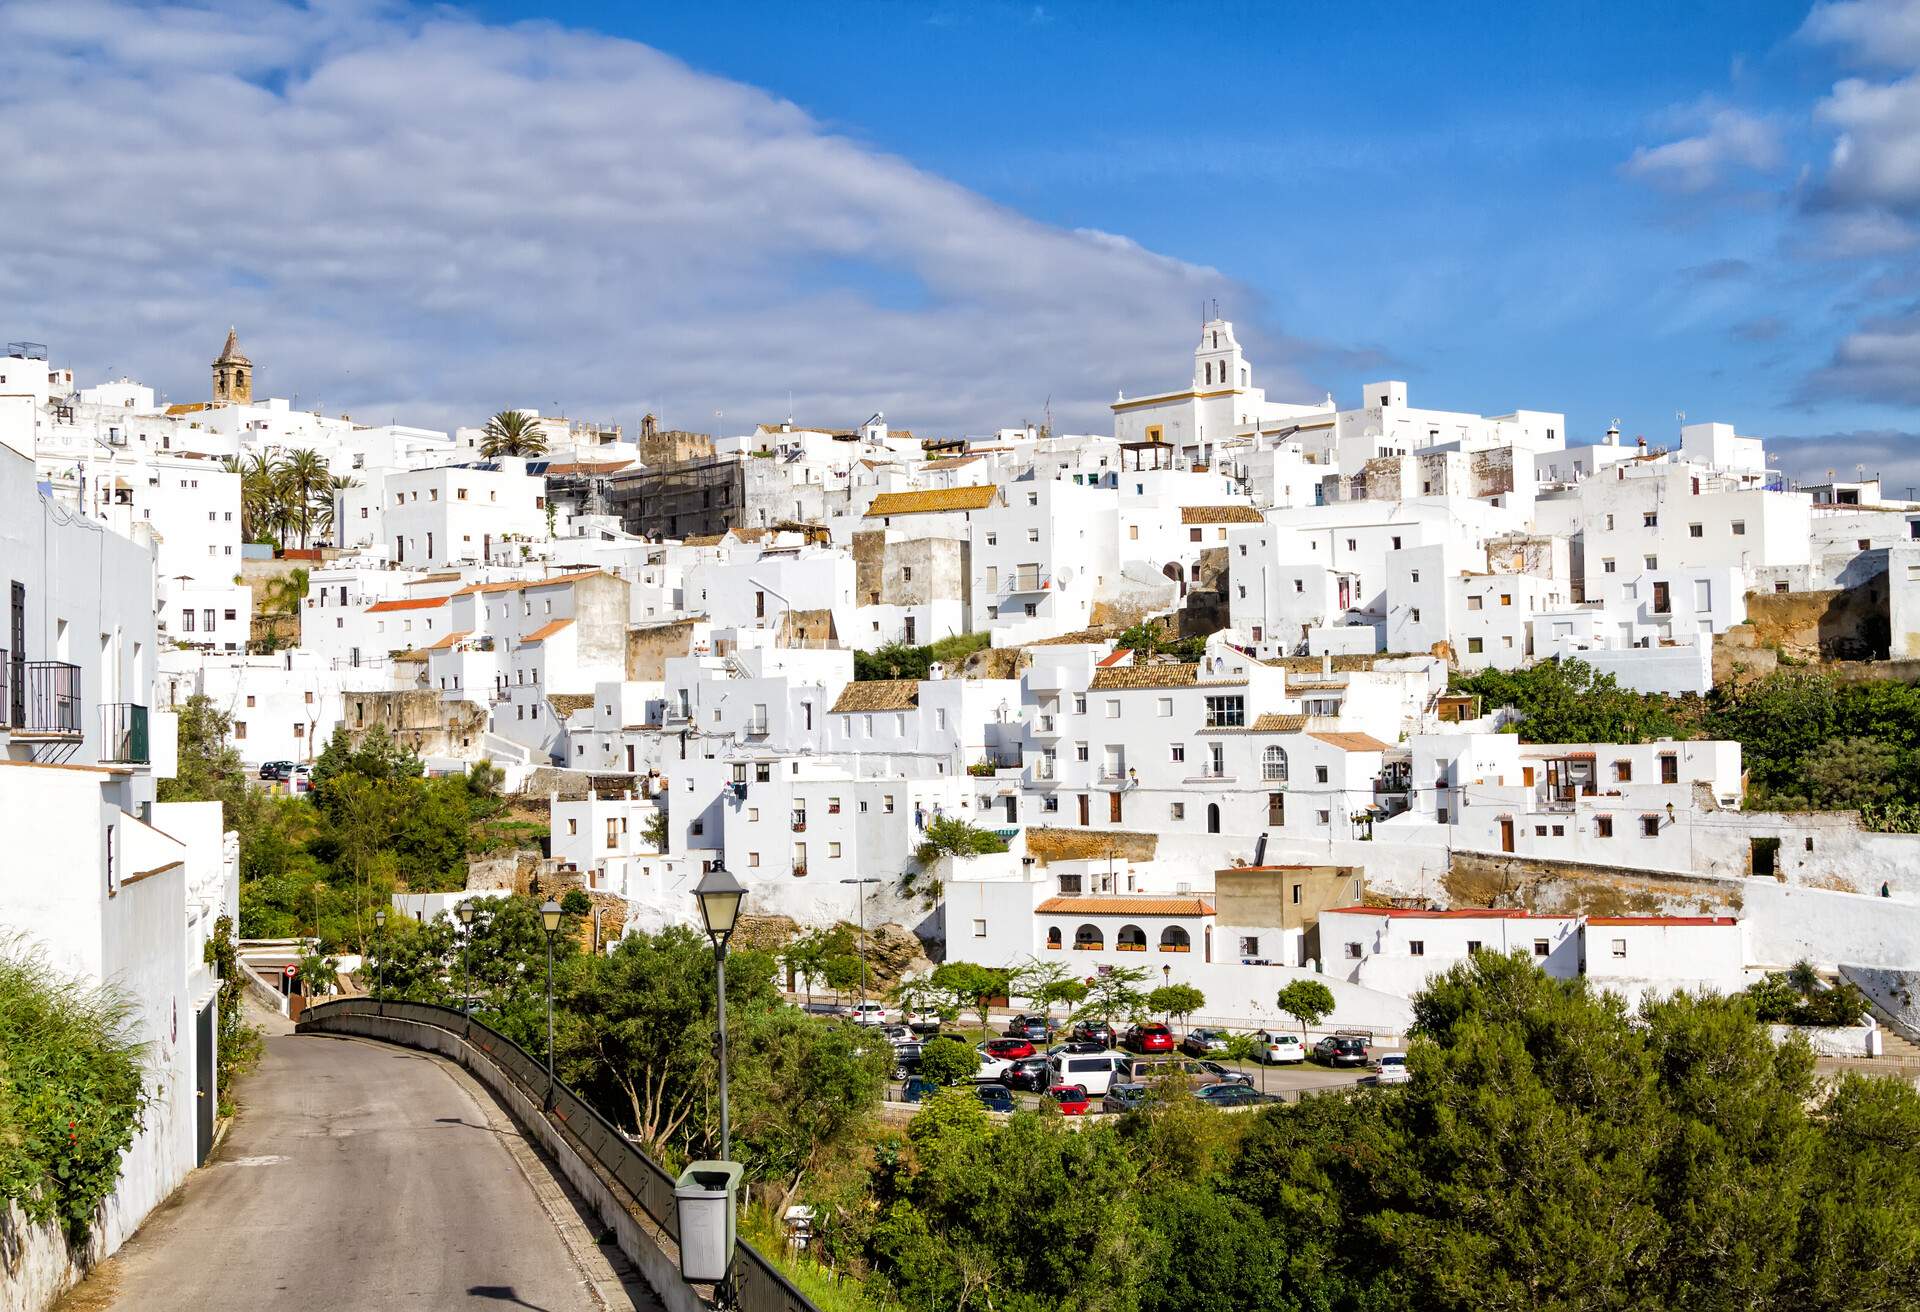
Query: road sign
(291,971)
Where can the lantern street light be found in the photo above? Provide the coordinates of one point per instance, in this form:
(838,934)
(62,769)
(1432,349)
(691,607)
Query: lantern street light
(861,885)
(465,911)
(380,962)
(550,913)
(719,895)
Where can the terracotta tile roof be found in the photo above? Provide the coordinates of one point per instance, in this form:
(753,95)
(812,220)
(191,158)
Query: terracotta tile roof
(1348,664)
(1661,920)
(514,585)
(703,539)
(1117,904)
(448,641)
(1167,675)
(1219,515)
(1114,658)
(950,462)
(1352,742)
(879,695)
(1045,845)
(406,603)
(451,577)
(545,631)
(1272,723)
(566,703)
(931,501)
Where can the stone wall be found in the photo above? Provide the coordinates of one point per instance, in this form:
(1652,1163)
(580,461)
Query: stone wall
(1577,888)
(648,648)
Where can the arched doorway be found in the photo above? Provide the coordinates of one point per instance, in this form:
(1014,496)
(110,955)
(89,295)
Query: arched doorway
(1213,817)
(1173,571)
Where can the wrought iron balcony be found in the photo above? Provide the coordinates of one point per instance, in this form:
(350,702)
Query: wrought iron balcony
(42,699)
(123,734)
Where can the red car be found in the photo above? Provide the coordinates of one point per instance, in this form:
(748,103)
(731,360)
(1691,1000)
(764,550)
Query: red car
(1071,1099)
(1150,1038)
(1008,1049)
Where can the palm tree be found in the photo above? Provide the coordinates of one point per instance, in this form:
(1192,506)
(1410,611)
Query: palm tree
(512,433)
(260,494)
(286,593)
(328,510)
(305,485)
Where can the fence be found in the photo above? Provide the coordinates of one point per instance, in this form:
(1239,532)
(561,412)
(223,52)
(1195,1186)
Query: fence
(758,1285)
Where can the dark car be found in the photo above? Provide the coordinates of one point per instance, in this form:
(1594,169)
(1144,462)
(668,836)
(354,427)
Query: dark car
(996,1097)
(1035,1029)
(1224,1074)
(1008,1049)
(906,1059)
(1097,1031)
(918,1089)
(1123,1097)
(1340,1050)
(1227,1095)
(1149,1038)
(1204,1043)
(1078,1047)
(1071,1099)
(276,769)
(1029,1073)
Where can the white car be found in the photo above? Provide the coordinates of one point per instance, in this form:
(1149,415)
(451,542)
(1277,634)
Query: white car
(1391,1068)
(992,1069)
(923,1017)
(872,1013)
(1276,1049)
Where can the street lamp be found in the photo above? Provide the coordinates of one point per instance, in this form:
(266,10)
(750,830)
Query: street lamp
(380,962)
(465,912)
(719,895)
(863,935)
(550,913)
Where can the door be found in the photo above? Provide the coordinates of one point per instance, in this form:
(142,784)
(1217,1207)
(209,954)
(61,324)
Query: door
(205,1094)
(1506,834)
(630,758)
(1113,806)
(910,631)
(1013,810)
(1085,809)
(486,546)
(17,670)
(1213,817)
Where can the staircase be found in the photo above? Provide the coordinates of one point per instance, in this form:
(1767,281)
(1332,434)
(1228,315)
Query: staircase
(1895,1048)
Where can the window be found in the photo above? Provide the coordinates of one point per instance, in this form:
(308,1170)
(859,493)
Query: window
(979,929)
(1178,810)
(1193,535)
(1396,544)
(1323,817)
(239,728)
(249,699)
(1176,752)
(1033,535)
(1506,599)
(1559,831)
(1475,645)
(1113,708)
(1669,768)
(1473,946)
(886,803)
(1416,614)
(1739,528)
(1079,751)
(833,851)
(1249,946)
(1320,774)
(1539,831)
(1541,947)
(1163,707)
(1650,520)
(1603,826)
(1650,826)
(1273,765)
(1353,952)
(1619,947)
(1623,772)
(1474,603)
(1416,947)
(1079,703)
(1226,712)
(1652,562)
(753,858)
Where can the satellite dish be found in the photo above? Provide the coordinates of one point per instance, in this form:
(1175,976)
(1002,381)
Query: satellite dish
(1064,574)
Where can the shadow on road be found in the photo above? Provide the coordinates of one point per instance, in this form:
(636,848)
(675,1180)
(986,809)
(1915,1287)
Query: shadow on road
(501,1294)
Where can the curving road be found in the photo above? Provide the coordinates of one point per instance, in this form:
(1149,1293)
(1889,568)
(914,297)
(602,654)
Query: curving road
(359,1176)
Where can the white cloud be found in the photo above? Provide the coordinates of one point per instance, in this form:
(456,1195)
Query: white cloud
(1875,162)
(1730,140)
(425,216)
(1868,31)
(1879,361)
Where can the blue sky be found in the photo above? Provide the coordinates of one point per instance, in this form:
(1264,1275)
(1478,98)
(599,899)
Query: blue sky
(956,212)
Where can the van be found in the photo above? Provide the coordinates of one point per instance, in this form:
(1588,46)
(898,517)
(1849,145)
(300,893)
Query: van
(1144,1070)
(1094,1072)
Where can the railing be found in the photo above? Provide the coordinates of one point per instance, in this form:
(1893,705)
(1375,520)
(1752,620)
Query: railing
(756,728)
(42,698)
(123,733)
(758,1285)
(1023,581)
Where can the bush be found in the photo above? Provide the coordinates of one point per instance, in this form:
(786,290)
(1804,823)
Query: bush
(948,1061)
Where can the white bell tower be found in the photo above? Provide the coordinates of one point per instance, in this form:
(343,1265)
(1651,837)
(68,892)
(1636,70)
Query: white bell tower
(1217,361)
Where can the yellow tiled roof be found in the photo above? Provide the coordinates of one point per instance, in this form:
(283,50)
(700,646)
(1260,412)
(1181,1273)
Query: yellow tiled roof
(879,695)
(1219,515)
(1352,742)
(1271,723)
(931,501)
(1122,905)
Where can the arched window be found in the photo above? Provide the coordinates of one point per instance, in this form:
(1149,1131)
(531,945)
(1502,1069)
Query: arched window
(1209,368)
(1053,937)
(1174,939)
(1273,764)
(1213,817)
(1131,939)
(1088,938)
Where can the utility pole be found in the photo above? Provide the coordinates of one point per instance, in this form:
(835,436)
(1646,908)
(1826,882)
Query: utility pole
(861,884)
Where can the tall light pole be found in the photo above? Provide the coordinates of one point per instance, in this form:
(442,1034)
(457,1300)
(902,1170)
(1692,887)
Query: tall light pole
(719,895)
(380,962)
(465,912)
(550,913)
(861,884)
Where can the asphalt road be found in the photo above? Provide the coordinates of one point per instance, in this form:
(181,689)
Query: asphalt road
(356,1177)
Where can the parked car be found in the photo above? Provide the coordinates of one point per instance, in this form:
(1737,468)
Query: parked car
(276,769)
(898,1034)
(1097,1031)
(1011,1049)
(918,1089)
(906,1059)
(1391,1068)
(1148,1038)
(1095,1072)
(995,1096)
(300,780)
(923,1021)
(1145,1070)
(1078,1046)
(1227,1095)
(1035,1029)
(872,1013)
(993,1069)
(1340,1050)
(1071,1099)
(1278,1049)
(1028,1073)
(1204,1042)
(1123,1097)
(823,1009)
(1222,1074)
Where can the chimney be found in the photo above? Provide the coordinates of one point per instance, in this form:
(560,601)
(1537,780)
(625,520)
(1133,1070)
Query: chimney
(1326,664)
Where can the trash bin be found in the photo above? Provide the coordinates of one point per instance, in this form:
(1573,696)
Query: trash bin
(704,1198)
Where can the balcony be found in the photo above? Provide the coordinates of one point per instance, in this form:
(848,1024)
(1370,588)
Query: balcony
(123,734)
(1046,726)
(756,728)
(43,699)
(1026,581)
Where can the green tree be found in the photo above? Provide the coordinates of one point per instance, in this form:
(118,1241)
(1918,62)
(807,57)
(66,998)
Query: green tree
(971,985)
(1308,1001)
(947,1061)
(804,1089)
(1116,993)
(1858,1246)
(948,835)
(209,768)
(1568,701)
(1176,1002)
(512,433)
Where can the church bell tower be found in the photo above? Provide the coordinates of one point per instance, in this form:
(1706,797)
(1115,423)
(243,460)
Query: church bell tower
(233,374)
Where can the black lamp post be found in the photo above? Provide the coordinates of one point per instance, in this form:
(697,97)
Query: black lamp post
(465,912)
(380,961)
(550,913)
(719,895)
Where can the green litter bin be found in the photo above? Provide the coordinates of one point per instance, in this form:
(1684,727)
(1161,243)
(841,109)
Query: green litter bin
(704,1197)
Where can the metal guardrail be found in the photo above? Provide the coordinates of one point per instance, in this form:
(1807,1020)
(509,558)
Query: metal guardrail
(123,733)
(758,1285)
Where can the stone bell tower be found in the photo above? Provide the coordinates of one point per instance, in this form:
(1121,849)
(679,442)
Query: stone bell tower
(233,374)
